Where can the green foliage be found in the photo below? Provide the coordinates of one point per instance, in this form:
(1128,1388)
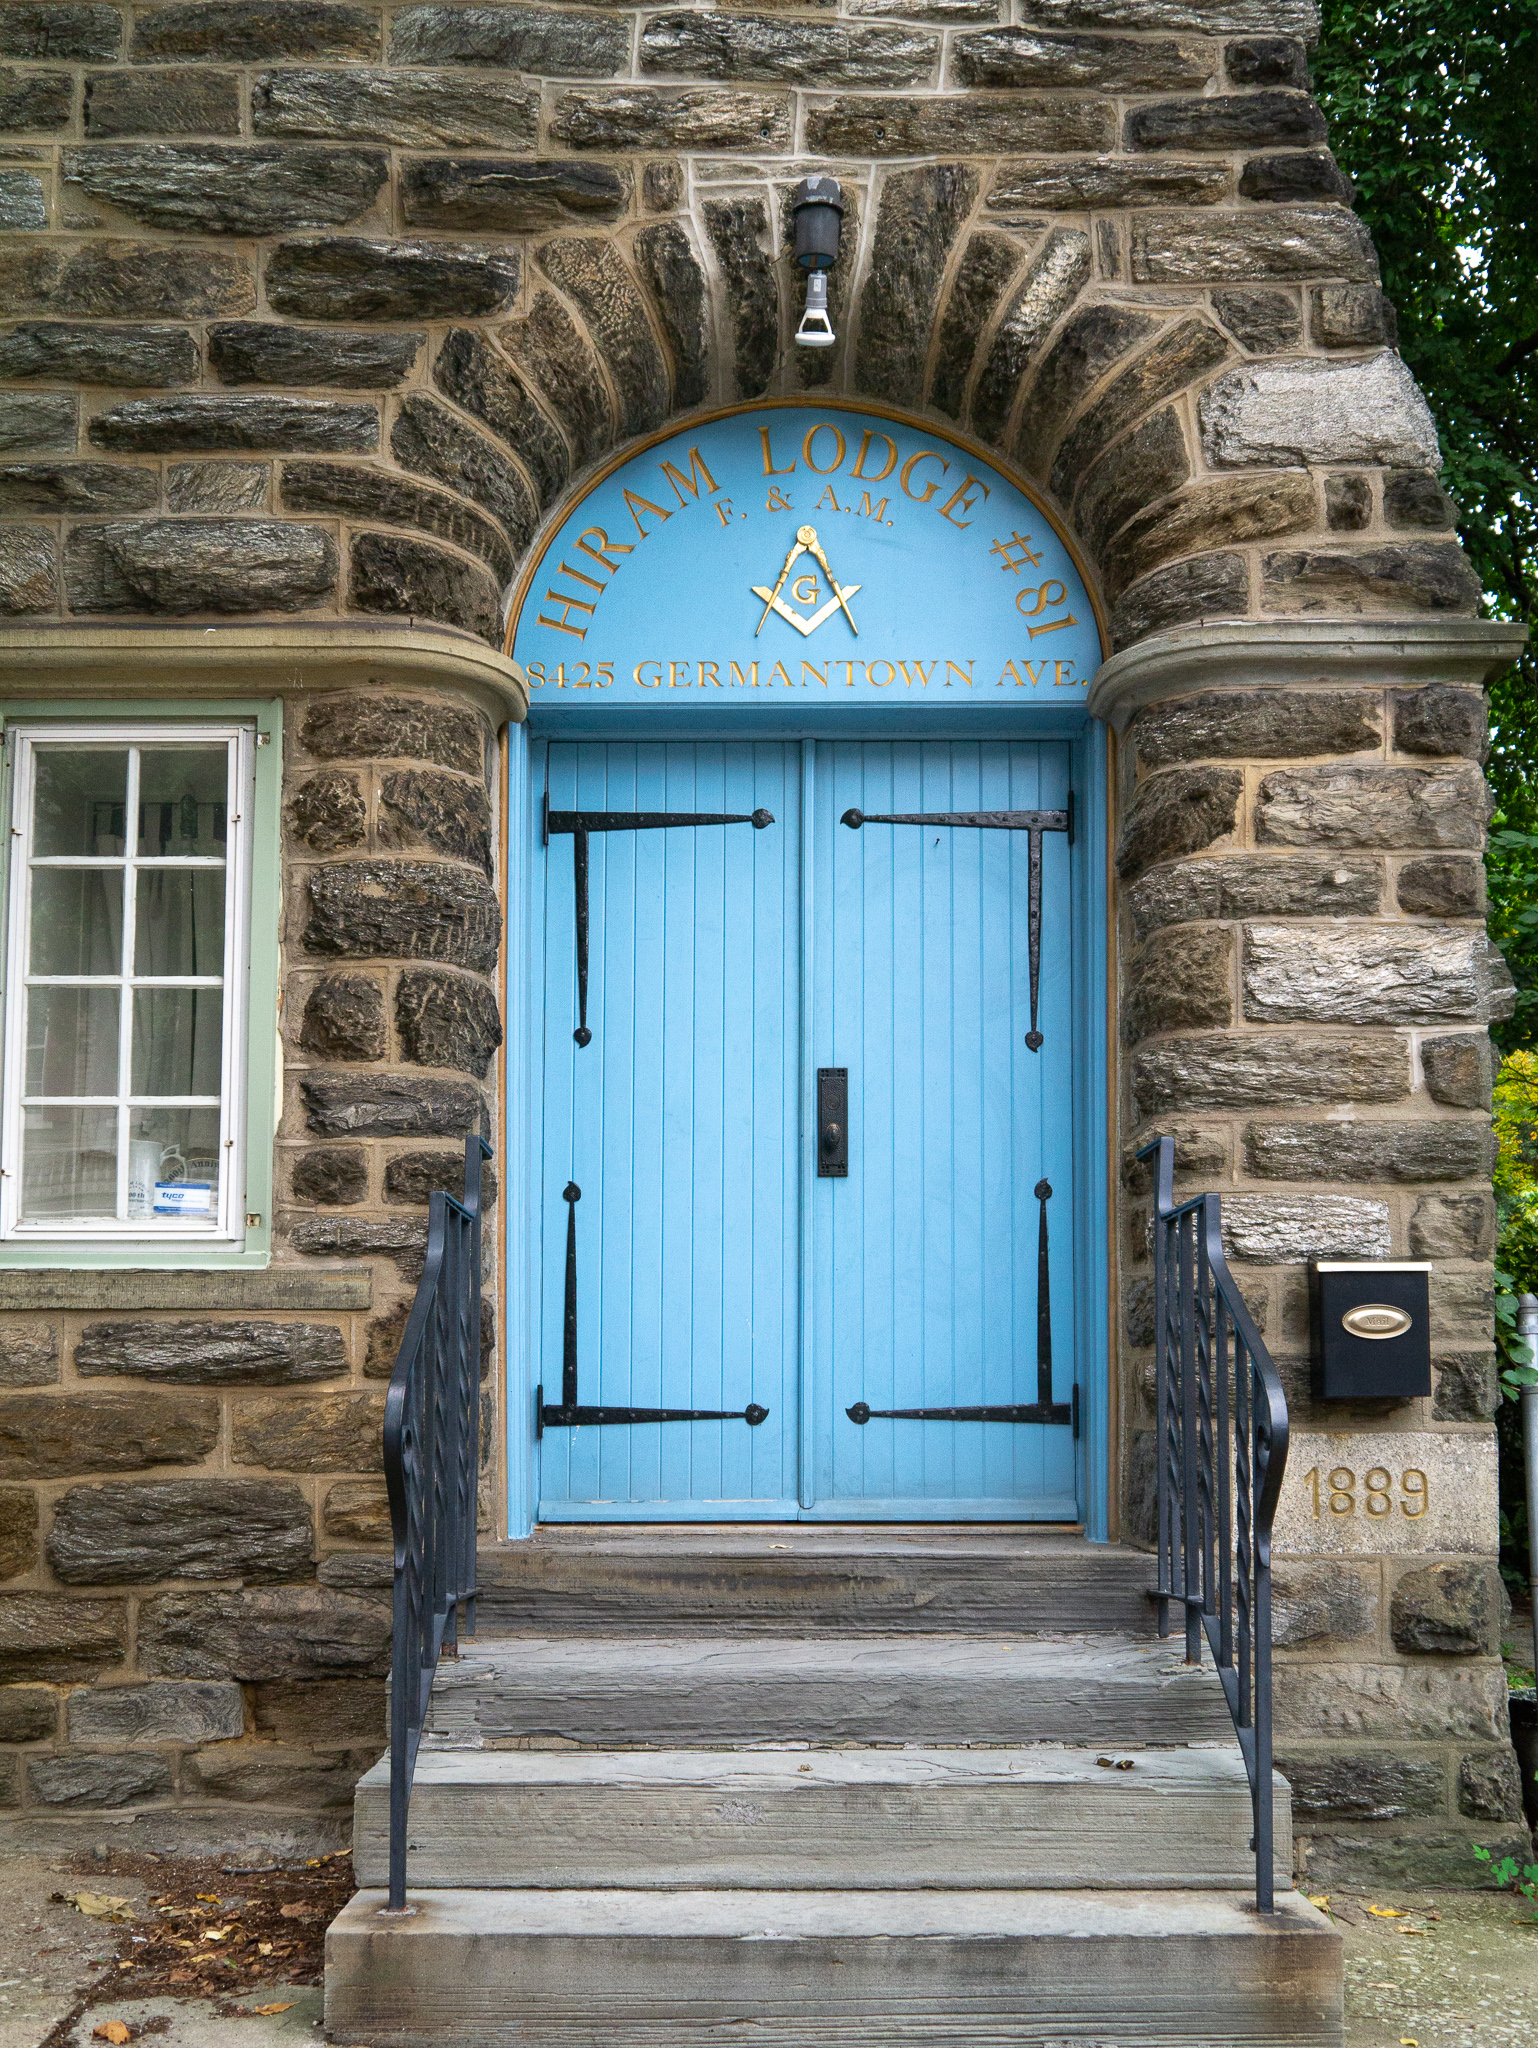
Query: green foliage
(1508,1874)
(1431,115)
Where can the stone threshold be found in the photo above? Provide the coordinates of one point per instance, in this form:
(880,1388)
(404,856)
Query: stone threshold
(280,1287)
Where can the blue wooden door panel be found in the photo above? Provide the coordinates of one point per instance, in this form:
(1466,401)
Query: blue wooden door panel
(925,1258)
(679,1122)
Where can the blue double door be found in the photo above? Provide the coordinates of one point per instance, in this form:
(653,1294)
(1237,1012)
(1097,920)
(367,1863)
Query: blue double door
(752,979)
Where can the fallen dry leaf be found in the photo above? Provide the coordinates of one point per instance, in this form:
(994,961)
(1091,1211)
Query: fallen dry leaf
(265,2010)
(1385,1912)
(111,2030)
(99,1906)
(1320,1899)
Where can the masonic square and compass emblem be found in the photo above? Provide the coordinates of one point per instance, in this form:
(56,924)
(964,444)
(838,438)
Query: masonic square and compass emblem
(804,590)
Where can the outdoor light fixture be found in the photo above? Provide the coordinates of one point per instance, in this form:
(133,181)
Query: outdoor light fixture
(817,209)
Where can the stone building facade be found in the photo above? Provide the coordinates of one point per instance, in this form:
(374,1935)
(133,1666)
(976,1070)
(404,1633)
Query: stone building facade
(313,312)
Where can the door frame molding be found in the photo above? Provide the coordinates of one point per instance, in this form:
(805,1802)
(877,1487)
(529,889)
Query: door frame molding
(1092,936)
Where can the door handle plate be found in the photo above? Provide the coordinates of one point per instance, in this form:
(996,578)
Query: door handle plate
(832,1123)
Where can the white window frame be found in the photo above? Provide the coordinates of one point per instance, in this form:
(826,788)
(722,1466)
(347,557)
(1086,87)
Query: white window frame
(229,1225)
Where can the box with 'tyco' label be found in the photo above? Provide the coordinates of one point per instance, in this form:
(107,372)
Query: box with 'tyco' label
(1372,1329)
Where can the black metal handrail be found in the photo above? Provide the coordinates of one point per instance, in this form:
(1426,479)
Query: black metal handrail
(1222,1450)
(432,1460)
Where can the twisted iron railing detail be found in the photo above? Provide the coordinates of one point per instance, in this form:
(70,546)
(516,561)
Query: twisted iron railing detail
(432,1458)
(1221,1433)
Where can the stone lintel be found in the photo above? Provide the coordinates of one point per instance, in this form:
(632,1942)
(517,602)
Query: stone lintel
(279,1287)
(1268,653)
(70,660)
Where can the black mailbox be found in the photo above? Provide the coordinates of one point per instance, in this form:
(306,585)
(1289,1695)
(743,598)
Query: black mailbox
(1372,1329)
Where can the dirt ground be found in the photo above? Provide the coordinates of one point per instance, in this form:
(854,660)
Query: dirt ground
(1447,1970)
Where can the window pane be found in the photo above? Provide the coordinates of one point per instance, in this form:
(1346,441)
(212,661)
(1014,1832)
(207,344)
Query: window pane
(68,1163)
(177,1041)
(173,1165)
(72,1041)
(78,803)
(179,923)
(183,798)
(77,921)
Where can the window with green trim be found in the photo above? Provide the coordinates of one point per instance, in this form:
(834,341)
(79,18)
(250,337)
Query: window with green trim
(130,1005)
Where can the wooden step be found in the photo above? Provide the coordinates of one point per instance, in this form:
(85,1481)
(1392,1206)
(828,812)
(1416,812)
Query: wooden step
(798,1819)
(980,1969)
(667,1692)
(797,1578)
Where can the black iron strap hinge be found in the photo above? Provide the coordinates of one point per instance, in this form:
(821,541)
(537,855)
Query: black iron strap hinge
(1043,1408)
(569,1412)
(1033,822)
(580,823)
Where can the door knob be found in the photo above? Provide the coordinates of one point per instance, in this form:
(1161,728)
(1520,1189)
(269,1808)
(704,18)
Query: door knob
(832,1123)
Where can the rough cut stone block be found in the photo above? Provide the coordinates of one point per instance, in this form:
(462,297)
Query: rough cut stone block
(1257,724)
(1150,462)
(29,1354)
(545,42)
(28,1713)
(58,349)
(212,1354)
(244,31)
(158,1712)
(1381,807)
(1447,1610)
(1352,316)
(53,1436)
(325,1714)
(22,204)
(1266,60)
(1415,576)
(409,910)
(770,52)
(332,1433)
(1202,1153)
(128,1779)
(592,273)
(738,230)
(1456,1514)
(153,426)
(920,215)
(1453,1227)
(1413,498)
(328,814)
(1228,509)
(1058,272)
(346,278)
(122,280)
(353,1237)
(1207,17)
(355,1572)
(332,1177)
(1430,1149)
(412,109)
(50,1637)
(509,196)
(1246,886)
(1288,243)
(549,347)
(1310,411)
(215,188)
(1321,1603)
(1281,1230)
(1459,1070)
(1347,503)
(1180,355)
(418,808)
(391,1106)
(28,577)
(410,578)
(18,1531)
(411,1177)
(1363,974)
(197,565)
(445,1020)
(1364,1785)
(670,269)
(1404,1702)
(1003,124)
(261,352)
(1074,186)
(484,382)
(344,1019)
(1468,1388)
(181,1529)
(356,727)
(1462,1307)
(216,486)
(1179,984)
(1085,347)
(1490,1786)
(77,487)
(1263,322)
(357,1511)
(34,102)
(1220,1071)
(1251,120)
(38,419)
(294,1633)
(435,442)
(1440,719)
(188,102)
(58,33)
(1025,57)
(256,1772)
(1294,176)
(672,117)
(1176,813)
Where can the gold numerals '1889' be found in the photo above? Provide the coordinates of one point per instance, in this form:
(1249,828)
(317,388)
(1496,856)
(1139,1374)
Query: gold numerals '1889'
(1336,1492)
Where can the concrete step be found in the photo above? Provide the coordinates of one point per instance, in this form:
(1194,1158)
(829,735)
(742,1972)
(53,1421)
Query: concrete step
(669,1692)
(797,1579)
(649,1969)
(797,1819)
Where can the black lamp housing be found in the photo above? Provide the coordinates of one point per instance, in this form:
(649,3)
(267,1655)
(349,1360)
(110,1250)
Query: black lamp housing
(817,216)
